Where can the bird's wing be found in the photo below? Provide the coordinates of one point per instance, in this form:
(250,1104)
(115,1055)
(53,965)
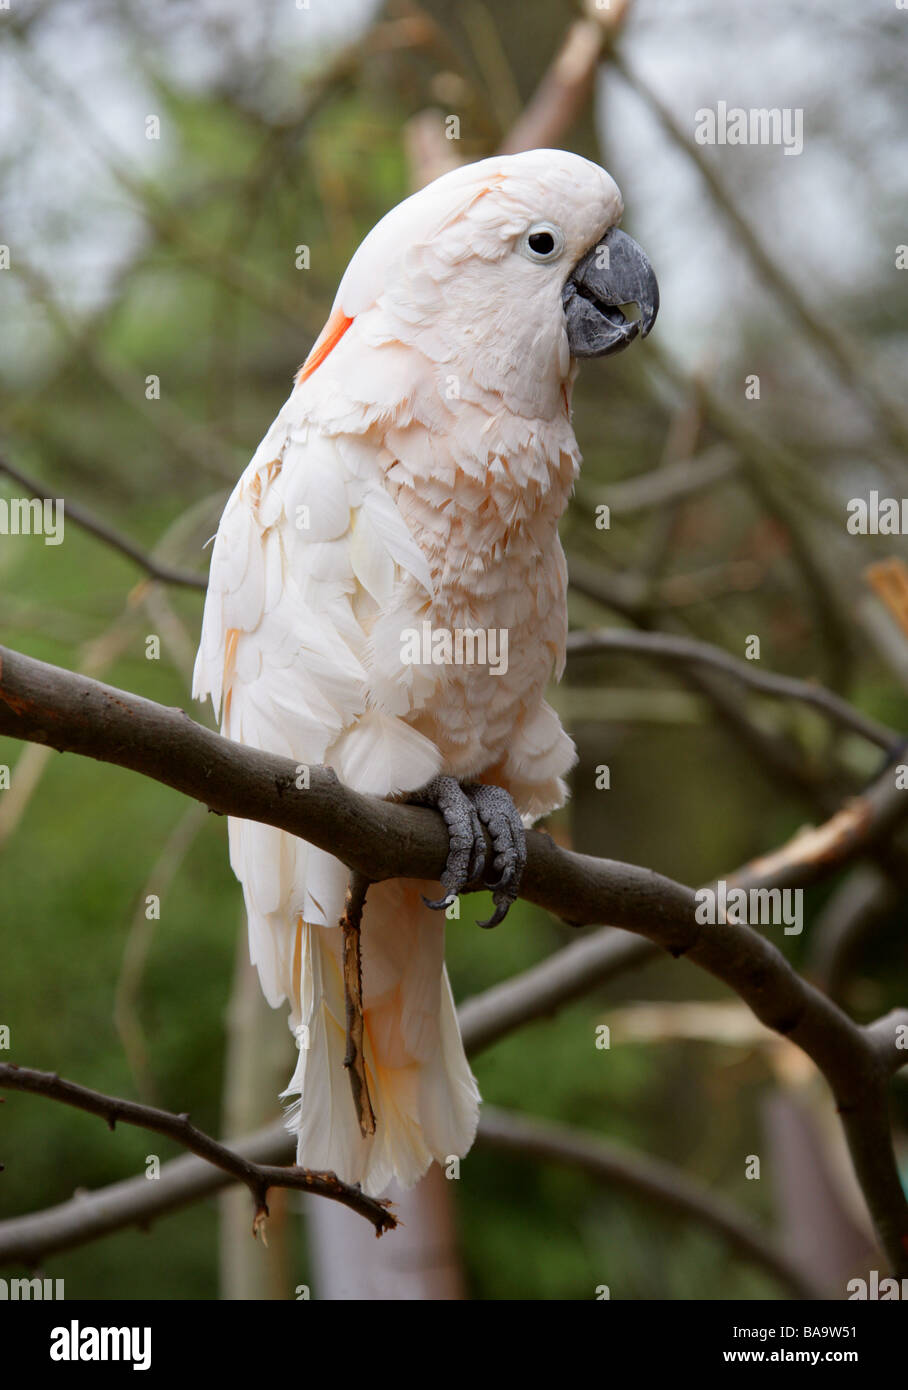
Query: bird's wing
(311,552)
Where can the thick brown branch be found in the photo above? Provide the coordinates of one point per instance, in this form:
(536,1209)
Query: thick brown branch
(258,1177)
(382,840)
(889,1038)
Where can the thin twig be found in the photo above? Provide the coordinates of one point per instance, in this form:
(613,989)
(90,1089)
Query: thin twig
(103,532)
(258,1177)
(854,912)
(354,1056)
(825,336)
(31,1238)
(676,481)
(663,646)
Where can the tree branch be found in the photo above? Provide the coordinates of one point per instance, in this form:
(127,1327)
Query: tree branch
(103,532)
(257,1177)
(545,988)
(32,1238)
(389,840)
(663,646)
(825,336)
(29,1239)
(642,1176)
(888,1036)
(774,755)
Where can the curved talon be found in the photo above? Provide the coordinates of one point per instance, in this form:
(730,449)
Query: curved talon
(466,842)
(500,816)
(478,858)
(466,809)
(501,911)
(442,903)
(507,875)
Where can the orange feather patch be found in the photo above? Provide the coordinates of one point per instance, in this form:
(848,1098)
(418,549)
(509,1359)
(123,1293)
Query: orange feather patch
(330,336)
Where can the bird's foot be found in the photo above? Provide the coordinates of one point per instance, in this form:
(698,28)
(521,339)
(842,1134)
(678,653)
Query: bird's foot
(466,808)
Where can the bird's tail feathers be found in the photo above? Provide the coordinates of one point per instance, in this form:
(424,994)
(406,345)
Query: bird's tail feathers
(424,1096)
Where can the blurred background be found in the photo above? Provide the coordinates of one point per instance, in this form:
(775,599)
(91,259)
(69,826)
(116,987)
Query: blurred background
(181,186)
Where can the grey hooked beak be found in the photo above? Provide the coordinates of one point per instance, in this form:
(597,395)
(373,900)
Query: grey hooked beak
(615,272)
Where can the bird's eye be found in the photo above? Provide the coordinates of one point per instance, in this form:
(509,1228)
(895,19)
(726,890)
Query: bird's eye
(544,242)
(541,242)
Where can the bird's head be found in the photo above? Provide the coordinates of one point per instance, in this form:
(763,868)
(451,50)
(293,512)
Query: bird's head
(502,273)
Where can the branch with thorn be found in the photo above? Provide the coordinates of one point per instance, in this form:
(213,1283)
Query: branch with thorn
(258,1177)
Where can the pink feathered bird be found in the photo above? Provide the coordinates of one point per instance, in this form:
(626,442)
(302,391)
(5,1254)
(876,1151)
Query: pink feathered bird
(407,494)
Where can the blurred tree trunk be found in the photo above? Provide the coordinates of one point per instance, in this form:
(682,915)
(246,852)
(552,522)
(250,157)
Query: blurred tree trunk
(817,1228)
(420,1260)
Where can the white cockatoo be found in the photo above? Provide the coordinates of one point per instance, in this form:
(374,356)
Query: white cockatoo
(412,485)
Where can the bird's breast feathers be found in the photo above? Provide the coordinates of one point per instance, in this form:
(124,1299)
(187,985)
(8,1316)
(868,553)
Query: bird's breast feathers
(338,545)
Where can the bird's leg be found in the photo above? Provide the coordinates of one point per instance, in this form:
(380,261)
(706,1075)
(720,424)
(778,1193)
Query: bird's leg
(497,812)
(466,808)
(466,843)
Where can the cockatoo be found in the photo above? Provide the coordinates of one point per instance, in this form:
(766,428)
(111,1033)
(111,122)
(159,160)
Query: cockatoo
(412,485)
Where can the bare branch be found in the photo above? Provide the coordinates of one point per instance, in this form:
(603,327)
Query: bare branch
(773,754)
(563,92)
(671,482)
(135,1202)
(853,913)
(788,493)
(889,1037)
(389,840)
(825,336)
(642,1176)
(103,532)
(259,1178)
(545,988)
(663,646)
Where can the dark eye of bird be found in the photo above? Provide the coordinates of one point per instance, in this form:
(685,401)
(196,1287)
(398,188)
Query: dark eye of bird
(542,243)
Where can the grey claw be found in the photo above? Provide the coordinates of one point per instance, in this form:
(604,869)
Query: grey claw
(466,842)
(440,903)
(501,818)
(501,911)
(466,809)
